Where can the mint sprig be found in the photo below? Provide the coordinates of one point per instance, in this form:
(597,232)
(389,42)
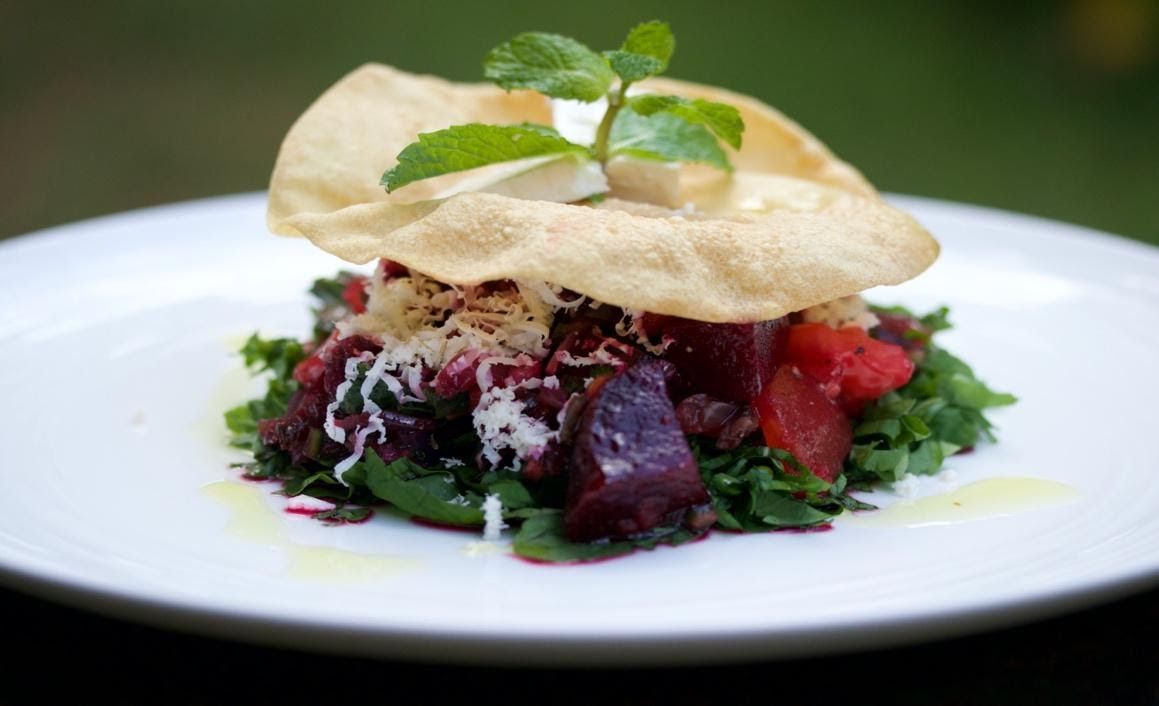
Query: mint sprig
(665,128)
(464,147)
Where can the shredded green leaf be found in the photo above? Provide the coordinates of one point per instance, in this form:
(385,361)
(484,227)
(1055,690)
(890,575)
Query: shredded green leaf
(936,414)
(278,356)
(758,489)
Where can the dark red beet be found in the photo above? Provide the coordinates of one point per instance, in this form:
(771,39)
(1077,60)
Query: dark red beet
(737,429)
(701,414)
(549,463)
(503,375)
(901,330)
(299,427)
(389,269)
(458,375)
(335,354)
(631,468)
(589,344)
(726,422)
(796,416)
(732,362)
(299,430)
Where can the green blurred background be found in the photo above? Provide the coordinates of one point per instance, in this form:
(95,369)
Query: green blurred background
(1049,108)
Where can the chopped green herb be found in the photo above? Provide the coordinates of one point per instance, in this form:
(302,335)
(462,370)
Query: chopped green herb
(936,414)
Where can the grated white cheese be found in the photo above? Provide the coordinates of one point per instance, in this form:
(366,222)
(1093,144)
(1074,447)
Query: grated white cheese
(333,431)
(846,311)
(418,318)
(350,372)
(500,422)
(306,503)
(483,373)
(493,524)
(629,327)
(373,425)
(550,294)
(906,486)
(424,324)
(600,356)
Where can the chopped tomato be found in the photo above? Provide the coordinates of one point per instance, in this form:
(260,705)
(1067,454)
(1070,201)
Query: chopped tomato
(853,368)
(309,371)
(795,415)
(355,294)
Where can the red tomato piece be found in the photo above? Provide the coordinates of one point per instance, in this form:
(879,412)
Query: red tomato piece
(355,294)
(795,415)
(852,367)
(309,371)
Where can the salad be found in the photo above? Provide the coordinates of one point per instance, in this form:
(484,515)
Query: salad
(600,336)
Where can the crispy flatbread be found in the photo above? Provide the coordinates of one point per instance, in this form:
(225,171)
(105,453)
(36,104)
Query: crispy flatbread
(793,227)
(336,152)
(773,144)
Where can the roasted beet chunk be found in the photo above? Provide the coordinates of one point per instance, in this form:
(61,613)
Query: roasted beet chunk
(731,362)
(631,468)
(299,430)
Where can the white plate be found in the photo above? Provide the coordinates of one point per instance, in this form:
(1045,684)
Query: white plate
(115,341)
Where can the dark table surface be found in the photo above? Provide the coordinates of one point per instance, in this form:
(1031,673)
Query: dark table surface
(1104,655)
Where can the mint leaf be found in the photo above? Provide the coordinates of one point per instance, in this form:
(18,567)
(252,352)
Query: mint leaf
(724,120)
(552,64)
(652,39)
(665,137)
(633,67)
(463,147)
